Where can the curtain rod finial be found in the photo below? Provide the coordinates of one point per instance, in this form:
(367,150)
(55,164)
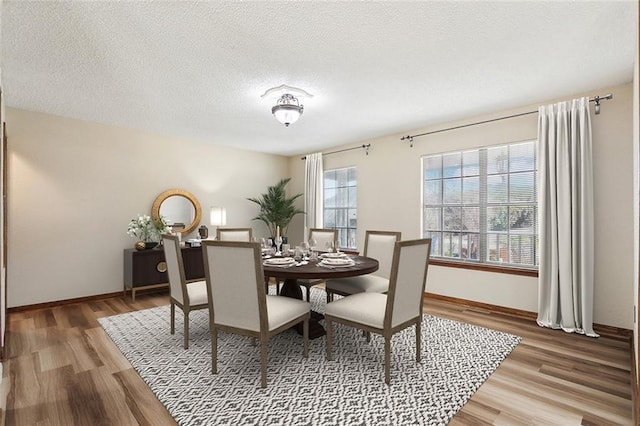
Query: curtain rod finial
(408,137)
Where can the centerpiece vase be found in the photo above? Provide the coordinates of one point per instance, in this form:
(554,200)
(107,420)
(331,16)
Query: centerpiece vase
(273,241)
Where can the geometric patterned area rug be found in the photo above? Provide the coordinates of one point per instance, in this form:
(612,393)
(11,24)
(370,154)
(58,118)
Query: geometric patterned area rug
(456,359)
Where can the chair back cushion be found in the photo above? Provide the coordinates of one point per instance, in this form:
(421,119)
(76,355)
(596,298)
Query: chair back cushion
(234,234)
(323,236)
(407,282)
(175,269)
(379,245)
(235,283)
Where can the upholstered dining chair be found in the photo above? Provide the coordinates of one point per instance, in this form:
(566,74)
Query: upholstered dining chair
(322,237)
(234,234)
(387,314)
(378,245)
(188,296)
(238,303)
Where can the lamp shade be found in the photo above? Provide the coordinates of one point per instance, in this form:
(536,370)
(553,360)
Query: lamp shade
(218,216)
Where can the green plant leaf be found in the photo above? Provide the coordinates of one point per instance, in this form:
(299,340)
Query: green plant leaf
(276,209)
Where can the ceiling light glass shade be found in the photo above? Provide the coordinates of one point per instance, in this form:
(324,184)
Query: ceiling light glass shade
(288,110)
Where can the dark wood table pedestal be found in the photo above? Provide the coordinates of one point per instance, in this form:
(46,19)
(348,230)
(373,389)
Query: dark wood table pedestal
(291,288)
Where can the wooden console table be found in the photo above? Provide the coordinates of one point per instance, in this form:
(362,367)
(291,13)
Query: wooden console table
(146,269)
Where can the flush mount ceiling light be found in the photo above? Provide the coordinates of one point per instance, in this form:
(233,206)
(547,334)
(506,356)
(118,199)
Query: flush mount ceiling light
(288,109)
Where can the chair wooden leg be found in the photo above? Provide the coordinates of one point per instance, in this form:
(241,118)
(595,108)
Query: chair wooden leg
(186,329)
(418,339)
(173,318)
(305,337)
(387,359)
(264,349)
(214,350)
(327,324)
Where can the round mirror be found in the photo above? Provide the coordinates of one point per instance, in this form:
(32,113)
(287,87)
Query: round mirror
(180,208)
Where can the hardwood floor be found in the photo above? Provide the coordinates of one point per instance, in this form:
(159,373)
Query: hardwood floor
(62,369)
(550,378)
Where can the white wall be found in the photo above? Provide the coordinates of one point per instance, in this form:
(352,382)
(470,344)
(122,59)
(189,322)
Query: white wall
(389,199)
(636,195)
(75,185)
(3,300)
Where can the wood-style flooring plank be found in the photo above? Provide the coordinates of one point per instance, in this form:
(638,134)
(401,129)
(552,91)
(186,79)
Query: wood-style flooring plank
(62,369)
(144,406)
(551,377)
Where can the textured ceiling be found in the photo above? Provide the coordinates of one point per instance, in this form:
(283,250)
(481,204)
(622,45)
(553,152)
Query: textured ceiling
(197,70)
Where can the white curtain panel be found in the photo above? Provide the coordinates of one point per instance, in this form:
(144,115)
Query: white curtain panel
(565,281)
(313,197)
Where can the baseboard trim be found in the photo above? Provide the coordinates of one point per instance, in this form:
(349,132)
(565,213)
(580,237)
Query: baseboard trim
(47,305)
(603,330)
(612,332)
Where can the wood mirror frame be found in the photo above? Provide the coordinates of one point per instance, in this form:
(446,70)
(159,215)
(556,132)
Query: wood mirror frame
(155,209)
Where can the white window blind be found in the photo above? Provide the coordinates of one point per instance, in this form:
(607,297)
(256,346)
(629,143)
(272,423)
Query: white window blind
(481,205)
(340,204)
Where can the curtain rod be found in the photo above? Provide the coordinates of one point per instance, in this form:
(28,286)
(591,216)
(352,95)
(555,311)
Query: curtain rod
(595,99)
(363,146)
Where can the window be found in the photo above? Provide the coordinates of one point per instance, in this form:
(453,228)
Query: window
(481,205)
(340,204)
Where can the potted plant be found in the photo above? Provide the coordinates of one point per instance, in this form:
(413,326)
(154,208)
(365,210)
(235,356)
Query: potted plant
(276,209)
(147,231)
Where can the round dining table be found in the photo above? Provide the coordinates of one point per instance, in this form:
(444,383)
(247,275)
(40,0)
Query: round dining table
(313,270)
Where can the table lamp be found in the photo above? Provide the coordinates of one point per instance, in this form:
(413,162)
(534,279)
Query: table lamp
(218,216)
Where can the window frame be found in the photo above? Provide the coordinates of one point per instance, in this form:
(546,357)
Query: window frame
(442,207)
(349,232)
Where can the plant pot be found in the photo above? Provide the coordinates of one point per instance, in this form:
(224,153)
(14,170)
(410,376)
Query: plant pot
(273,241)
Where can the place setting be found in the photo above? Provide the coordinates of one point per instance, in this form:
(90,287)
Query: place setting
(335,260)
(284,259)
(279,262)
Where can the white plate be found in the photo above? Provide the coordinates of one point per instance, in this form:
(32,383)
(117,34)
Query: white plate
(338,262)
(327,265)
(332,255)
(280,261)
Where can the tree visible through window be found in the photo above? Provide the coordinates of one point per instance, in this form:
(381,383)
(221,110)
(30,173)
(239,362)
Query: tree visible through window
(340,204)
(481,205)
